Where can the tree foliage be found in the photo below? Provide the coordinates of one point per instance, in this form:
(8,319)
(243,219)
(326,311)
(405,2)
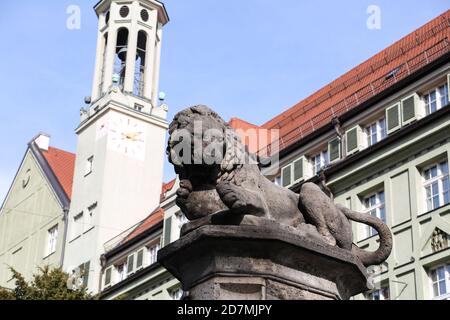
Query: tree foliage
(47,284)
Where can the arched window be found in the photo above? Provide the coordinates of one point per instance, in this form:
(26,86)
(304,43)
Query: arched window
(102,72)
(139,72)
(121,57)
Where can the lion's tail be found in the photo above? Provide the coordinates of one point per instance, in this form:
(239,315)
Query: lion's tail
(385,248)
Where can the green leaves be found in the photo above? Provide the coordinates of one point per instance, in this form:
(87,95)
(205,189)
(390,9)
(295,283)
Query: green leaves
(47,284)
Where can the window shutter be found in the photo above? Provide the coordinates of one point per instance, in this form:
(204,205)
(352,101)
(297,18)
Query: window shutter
(167,230)
(334,150)
(409,109)
(140,259)
(108,274)
(298,169)
(86,268)
(393,118)
(130,264)
(286,176)
(352,137)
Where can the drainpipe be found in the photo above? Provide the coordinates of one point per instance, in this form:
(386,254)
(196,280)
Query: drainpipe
(322,177)
(66,227)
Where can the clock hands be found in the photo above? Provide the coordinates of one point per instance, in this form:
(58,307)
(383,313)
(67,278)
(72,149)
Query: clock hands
(133,136)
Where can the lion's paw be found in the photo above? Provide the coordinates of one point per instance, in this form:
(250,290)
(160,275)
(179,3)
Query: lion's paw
(230,195)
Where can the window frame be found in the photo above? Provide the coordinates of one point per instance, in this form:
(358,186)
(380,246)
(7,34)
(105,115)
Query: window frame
(446,295)
(140,251)
(370,231)
(110,283)
(438,98)
(381,293)
(428,183)
(52,240)
(379,133)
(324,158)
(152,251)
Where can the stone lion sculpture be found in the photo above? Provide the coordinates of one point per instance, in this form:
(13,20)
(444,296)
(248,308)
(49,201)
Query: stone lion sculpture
(235,186)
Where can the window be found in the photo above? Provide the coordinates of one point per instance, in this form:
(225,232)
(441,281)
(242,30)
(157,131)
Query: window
(130,264)
(140,259)
(436,99)
(376,132)
(77,226)
(138,107)
(108,276)
(440,281)
(89,165)
(381,294)
(52,240)
(153,254)
(374,205)
(176,294)
(83,274)
(122,271)
(320,161)
(436,184)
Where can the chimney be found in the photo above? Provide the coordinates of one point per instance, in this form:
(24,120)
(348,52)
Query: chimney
(42,140)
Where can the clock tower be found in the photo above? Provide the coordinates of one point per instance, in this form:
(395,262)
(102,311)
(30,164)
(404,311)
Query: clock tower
(121,136)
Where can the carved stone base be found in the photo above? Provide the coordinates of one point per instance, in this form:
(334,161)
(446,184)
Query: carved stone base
(265,262)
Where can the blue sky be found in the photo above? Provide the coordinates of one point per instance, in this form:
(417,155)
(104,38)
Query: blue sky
(251,59)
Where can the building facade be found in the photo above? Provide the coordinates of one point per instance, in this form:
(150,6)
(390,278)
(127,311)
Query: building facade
(33,217)
(378,140)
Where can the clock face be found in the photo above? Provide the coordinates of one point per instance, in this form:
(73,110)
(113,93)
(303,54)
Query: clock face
(127,136)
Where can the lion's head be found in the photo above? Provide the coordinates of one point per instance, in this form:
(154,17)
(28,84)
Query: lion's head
(203,148)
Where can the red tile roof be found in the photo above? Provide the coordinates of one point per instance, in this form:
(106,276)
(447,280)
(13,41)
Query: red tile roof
(405,56)
(237,123)
(153,219)
(166,187)
(62,164)
(249,131)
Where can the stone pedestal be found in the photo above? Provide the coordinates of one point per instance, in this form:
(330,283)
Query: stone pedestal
(264,262)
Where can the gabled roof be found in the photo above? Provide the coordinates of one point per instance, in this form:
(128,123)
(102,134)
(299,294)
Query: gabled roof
(404,57)
(62,164)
